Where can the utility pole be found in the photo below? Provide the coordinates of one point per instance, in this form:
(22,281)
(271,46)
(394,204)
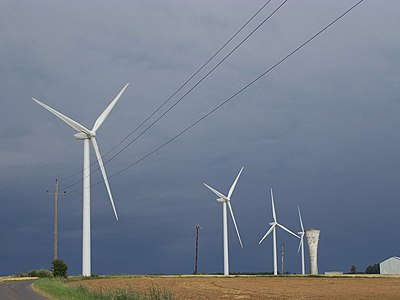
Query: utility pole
(197,227)
(283,257)
(55,234)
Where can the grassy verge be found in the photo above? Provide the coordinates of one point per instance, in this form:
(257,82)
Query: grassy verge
(58,289)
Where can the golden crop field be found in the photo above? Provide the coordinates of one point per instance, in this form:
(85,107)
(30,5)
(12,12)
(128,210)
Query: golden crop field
(258,287)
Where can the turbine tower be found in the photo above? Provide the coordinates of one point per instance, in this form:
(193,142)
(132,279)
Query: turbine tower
(301,245)
(273,230)
(88,135)
(226,201)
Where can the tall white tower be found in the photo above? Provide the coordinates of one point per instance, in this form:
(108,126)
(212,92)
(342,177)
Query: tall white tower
(312,236)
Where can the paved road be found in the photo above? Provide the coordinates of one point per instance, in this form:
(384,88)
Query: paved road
(19,290)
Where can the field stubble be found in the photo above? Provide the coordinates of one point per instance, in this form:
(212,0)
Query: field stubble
(257,287)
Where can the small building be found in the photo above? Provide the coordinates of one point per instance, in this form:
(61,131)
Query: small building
(390,265)
(333,273)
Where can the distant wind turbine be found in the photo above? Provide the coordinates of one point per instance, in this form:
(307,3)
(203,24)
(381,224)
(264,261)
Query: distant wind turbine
(301,245)
(226,201)
(273,230)
(88,135)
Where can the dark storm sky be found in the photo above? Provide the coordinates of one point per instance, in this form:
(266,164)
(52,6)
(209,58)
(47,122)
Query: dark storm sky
(321,130)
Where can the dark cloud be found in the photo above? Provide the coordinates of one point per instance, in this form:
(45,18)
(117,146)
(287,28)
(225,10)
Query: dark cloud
(320,129)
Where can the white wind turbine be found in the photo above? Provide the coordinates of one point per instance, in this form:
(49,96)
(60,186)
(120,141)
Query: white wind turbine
(273,230)
(226,201)
(301,245)
(88,135)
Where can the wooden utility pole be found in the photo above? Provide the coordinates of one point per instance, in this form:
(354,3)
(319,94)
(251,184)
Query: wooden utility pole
(283,258)
(55,233)
(197,227)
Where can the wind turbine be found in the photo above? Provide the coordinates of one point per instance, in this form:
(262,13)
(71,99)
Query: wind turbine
(88,135)
(301,245)
(226,201)
(273,230)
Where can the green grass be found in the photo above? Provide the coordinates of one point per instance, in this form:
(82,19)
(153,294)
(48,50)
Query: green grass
(58,289)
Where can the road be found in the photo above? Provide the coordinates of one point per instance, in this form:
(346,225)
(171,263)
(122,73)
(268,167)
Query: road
(19,290)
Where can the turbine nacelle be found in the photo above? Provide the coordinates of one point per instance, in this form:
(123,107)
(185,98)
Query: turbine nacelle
(83,135)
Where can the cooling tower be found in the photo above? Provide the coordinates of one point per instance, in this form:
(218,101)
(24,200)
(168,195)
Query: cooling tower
(312,236)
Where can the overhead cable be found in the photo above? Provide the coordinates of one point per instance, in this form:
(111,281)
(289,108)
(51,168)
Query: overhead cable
(181,87)
(237,93)
(191,89)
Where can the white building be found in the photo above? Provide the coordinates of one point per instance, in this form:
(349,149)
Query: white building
(390,265)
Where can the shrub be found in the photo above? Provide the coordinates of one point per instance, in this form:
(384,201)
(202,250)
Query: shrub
(42,273)
(374,269)
(59,268)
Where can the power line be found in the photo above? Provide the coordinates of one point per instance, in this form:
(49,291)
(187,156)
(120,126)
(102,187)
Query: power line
(194,74)
(191,89)
(237,93)
(178,90)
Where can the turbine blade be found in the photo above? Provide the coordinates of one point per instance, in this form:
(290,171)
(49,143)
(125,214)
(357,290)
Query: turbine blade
(267,233)
(301,221)
(234,184)
(222,196)
(301,242)
(273,206)
(103,172)
(105,113)
(234,223)
(69,121)
(287,230)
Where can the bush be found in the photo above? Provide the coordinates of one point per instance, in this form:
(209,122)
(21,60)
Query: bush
(374,269)
(42,273)
(59,268)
